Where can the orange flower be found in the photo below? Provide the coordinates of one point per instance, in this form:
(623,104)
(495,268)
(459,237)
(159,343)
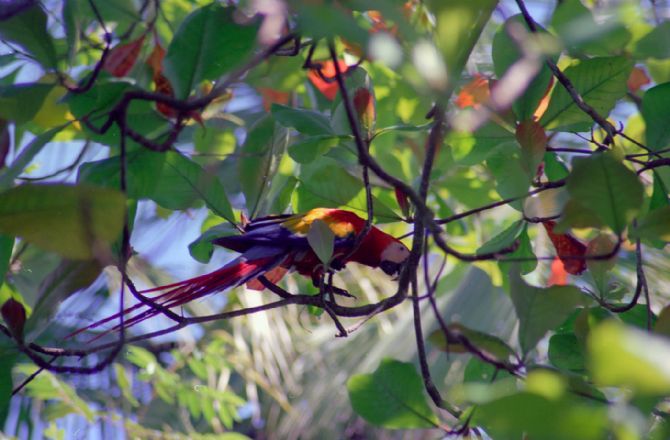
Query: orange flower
(327,86)
(474,93)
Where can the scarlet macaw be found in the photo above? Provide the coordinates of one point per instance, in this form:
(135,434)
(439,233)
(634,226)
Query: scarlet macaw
(272,246)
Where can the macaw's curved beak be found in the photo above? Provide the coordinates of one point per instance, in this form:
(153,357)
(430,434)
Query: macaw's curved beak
(389,267)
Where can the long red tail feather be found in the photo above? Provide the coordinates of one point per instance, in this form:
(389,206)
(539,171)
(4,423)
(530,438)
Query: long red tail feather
(173,295)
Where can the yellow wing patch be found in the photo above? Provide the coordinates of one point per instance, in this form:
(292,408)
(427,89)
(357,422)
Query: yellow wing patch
(301,223)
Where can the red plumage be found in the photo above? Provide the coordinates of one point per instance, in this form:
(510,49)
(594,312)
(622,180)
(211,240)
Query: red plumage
(271,247)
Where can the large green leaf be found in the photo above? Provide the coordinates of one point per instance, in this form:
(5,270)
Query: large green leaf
(623,356)
(28,29)
(505,53)
(655,110)
(600,82)
(20,102)
(654,44)
(208,44)
(540,310)
(326,184)
(392,397)
(601,185)
(539,417)
(69,220)
(170,179)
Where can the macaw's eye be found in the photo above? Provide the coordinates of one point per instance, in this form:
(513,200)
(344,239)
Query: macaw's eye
(389,267)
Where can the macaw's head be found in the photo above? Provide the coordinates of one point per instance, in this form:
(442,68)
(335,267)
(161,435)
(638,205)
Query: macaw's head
(393,257)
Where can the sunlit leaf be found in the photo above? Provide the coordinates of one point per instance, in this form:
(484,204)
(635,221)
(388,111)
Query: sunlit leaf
(627,357)
(70,220)
(600,82)
(525,413)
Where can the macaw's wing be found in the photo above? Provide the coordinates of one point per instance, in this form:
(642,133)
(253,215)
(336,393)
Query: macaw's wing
(265,234)
(287,232)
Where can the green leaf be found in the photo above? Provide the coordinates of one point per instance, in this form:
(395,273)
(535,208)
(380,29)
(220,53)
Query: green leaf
(655,225)
(8,355)
(202,248)
(124,384)
(325,184)
(507,168)
(261,154)
(391,397)
(20,102)
(473,148)
(655,109)
(69,220)
(623,356)
(170,179)
(208,44)
(322,240)
(459,24)
(488,344)
(6,247)
(67,278)
(653,45)
(600,82)
(96,103)
(540,310)
(565,352)
(27,154)
(28,29)
(581,34)
(72,27)
(524,254)
(307,150)
(504,239)
(140,357)
(305,121)
(607,188)
(506,52)
(554,167)
(47,386)
(538,417)
(479,371)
